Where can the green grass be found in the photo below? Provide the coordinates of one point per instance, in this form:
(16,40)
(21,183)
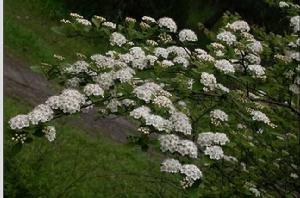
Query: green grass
(78,165)
(28,34)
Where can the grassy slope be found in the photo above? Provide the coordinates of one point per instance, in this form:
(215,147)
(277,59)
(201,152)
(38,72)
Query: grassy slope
(75,165)
(27,31)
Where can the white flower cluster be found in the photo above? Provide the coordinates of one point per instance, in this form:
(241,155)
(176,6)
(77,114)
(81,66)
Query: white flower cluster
(109,24)
(77,67)
(209,138)
(214,152)
(190,83)
(76,15)
(140,112)
(113,105)
(217,117)
(172,143)
(192,173)
(253,59)
(295,23)
(148,19)
(117,39)
(103,62)
(261,117)
(41,113)
(151,43)
(83,22)
(283,4)
(168,143)
(210,83)
(93,90)
(50,133)
(149,91)
(163,101)
(294,55)
(138,58)
(105,80)
(167,63)
(99,18)
(257,71)
(128,102)
(179,51)
(158,122)
(168,23)
(19,122)
(253,189)
(225,66)
(130,20)
(124,74)
(170,166)
(181,60)
(187,148)
(73,82)
(65,21)
(255,46)
(161,52)
(181,123)
(294,88)
(217,46)
(227,37)
(202,55)
(294,175)
(210,142)
(70,101)
(19,138)
(58,57)
(240,25)
(187,35)
(144,130)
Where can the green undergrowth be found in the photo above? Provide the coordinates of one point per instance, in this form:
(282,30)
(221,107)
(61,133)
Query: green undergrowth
(28,32)
(78,165)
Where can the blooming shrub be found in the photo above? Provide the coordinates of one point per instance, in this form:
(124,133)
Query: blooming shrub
(174,88)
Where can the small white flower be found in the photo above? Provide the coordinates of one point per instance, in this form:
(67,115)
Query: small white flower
(218,116)
(148,19)
(257,71)
(214,152)
(170,166)
(208,139)
(209,81)
(294,175)
(19,122)
(117,39)
(93,90)
(168,23)
(283,4)
(109,25)
(187,35)
(83,22)
(225,66)
(227,37)
(239,25)
(50,133)
(295,23)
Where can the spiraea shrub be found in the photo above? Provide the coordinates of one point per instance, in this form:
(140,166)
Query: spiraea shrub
(225,116)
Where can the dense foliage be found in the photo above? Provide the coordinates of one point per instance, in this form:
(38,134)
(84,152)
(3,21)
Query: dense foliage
(226,115)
